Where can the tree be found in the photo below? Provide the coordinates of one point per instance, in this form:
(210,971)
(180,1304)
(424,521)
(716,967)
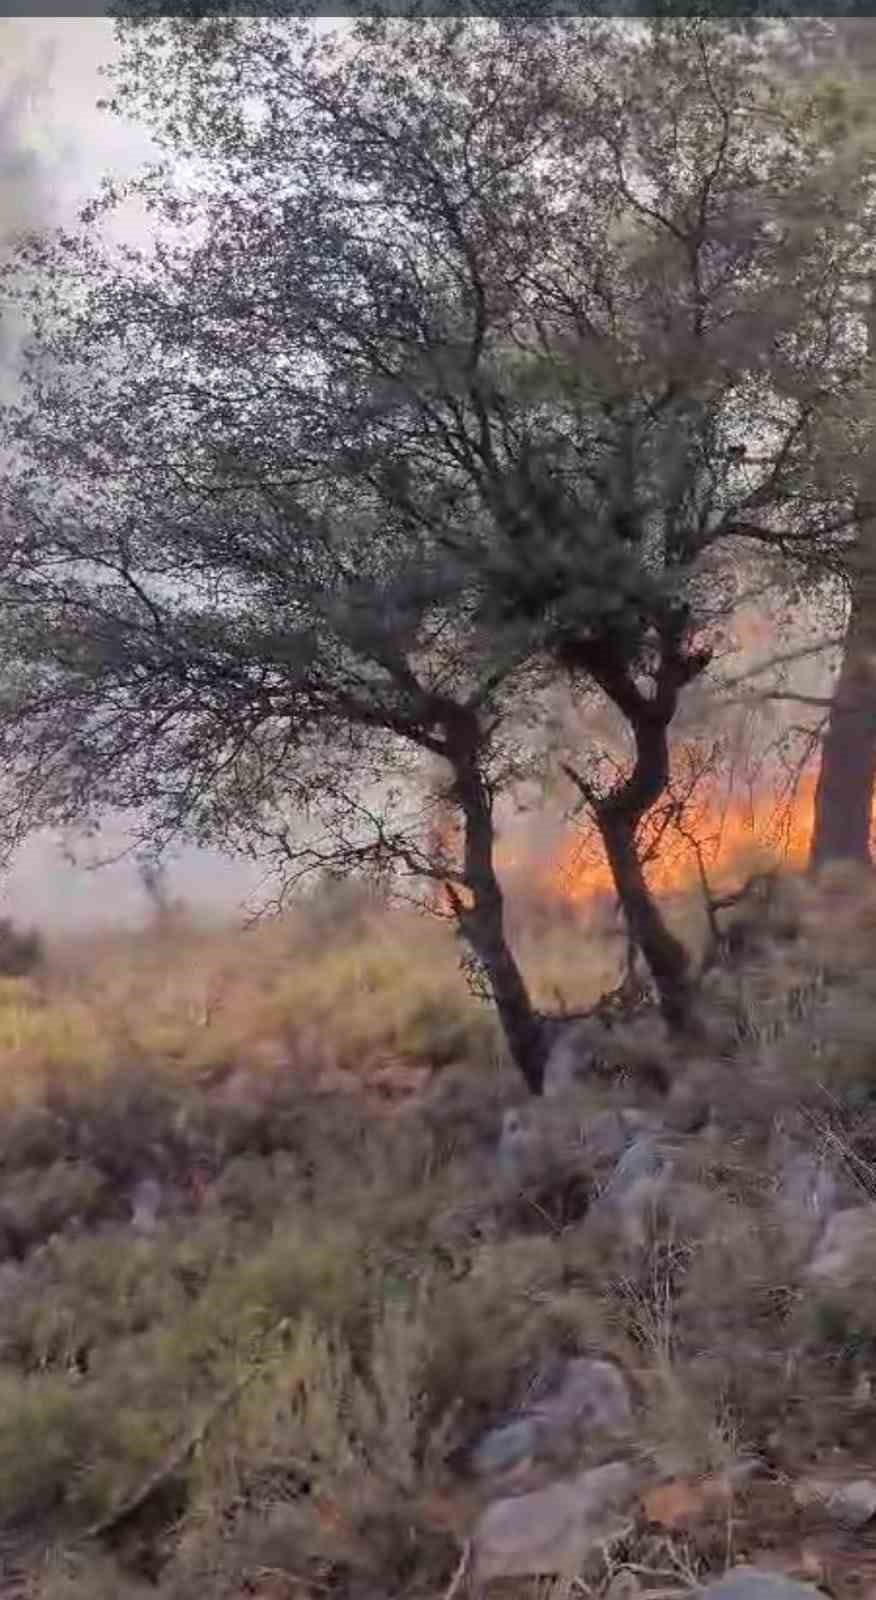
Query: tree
(834,58)
(844,62)
(440,381)
(844,792)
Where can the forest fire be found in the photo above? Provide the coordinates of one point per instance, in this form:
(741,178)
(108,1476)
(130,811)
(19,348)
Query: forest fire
(724,835)
(728,837)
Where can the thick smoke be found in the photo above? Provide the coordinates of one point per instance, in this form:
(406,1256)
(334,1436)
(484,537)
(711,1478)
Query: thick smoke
(28,173)
(55,145)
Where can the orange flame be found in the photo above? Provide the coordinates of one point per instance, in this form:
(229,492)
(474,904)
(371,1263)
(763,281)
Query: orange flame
(726,835)
(728,838)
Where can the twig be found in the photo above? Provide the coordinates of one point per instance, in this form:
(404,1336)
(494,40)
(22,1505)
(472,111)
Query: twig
(177,1457)
(585,789)
(784,658)
(456,1581)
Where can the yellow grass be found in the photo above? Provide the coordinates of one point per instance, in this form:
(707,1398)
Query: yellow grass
(188,999)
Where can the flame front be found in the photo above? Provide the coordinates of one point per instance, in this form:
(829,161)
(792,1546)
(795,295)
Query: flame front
(728,834)
(728,837)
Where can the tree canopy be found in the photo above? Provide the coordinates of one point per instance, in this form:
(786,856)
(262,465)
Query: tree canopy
(466,356)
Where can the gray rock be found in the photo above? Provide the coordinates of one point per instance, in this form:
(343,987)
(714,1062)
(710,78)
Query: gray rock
(640,1123)
(623,1586)
(553,1530)
(639,1207)
(11,1275)
(808,1186)
(609,1134)
(146,1201)
(690,1104)
(807,1192)
(606,1136)
(752,1583)
(646,1157)
(592,1394)
(851,1504)
(537,1140)
(519,1145)
(574,1058)
(847,1247)
(505,1449)
(587,1396)
(637,1184)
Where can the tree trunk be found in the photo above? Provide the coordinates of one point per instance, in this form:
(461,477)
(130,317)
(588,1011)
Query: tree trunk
(619,814)
(482,921)
(666,956)
(482,925)
(844,792)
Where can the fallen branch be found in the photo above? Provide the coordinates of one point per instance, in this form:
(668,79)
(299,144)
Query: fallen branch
(178,1457)
(458,1576)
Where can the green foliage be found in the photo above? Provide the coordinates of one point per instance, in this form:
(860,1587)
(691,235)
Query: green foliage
(38,1201)
(44,1441)
(519,473)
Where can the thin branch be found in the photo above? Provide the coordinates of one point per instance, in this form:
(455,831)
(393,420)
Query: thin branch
(177,1457)
(800,653)
(586,790)
(820,702)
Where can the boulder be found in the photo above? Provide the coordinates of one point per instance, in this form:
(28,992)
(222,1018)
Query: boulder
(808,1190)
(592,1394)
(590,1397)
(637,1184)
(538,1141)
(146,1202)
(851,1504)
(552,1531)
(846,1250)
(608,1134)
(753,1583)
(504,1450)
(623,1586)
(646,1157)
(575,1056)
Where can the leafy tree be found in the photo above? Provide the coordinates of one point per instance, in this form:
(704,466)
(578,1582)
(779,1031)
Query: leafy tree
(842,64)
(467,356)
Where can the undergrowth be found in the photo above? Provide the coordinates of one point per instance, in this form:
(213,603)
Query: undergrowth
(334,1298)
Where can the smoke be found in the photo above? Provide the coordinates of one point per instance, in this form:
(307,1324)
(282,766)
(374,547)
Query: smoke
(27,172)
(55,146)
(46,890)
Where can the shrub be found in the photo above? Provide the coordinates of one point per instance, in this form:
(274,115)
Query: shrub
(37,1202)
(44,1438)
(21,952)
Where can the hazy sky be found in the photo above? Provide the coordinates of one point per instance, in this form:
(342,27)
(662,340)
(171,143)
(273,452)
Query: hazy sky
(55,145)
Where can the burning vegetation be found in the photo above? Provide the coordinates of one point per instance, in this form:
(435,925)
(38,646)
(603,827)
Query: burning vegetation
(404,517)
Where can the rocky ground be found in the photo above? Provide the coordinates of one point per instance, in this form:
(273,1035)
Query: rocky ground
(301,1296)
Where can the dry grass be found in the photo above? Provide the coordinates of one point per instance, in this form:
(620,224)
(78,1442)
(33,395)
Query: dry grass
(335,1301)
(194,1000)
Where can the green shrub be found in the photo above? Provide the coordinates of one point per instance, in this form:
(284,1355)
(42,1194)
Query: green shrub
(44,1441)
(37,1202)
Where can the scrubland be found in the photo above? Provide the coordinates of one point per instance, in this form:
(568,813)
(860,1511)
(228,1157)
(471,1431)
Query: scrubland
(270,1385)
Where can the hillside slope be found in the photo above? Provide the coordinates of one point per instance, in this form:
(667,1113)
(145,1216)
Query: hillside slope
(300,1297)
